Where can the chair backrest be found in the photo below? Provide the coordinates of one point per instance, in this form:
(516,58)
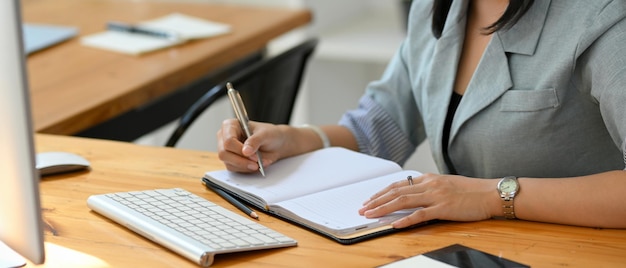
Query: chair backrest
(268,89)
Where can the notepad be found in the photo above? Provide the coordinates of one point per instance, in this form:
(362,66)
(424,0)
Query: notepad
(186,27)
(41,36)
(321,190)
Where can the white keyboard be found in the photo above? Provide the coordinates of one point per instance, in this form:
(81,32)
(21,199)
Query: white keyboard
(186,223)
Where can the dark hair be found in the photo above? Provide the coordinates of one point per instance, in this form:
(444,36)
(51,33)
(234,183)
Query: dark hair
(512,14)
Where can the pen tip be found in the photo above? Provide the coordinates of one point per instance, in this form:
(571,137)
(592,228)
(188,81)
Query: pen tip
(254,215)
(262,171)
(229,85)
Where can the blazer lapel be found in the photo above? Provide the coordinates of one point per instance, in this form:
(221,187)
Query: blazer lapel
(492,77)
(440,81)
(490,80)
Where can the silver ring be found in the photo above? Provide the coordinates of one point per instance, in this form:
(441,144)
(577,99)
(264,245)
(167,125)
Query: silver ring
(410,179)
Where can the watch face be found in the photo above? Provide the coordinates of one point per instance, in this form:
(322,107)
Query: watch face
(508,185)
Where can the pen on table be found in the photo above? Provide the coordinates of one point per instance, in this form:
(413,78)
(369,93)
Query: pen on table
(129,28)
(234,201)
(242,116)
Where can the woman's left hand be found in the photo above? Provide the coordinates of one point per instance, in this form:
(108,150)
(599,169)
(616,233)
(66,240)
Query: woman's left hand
(444,197)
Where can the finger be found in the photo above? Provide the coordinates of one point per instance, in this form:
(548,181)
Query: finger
(393,202)
(399,195)
(384,191)
(395,185)
(232,129)
(255,142)
(230,148)
(230,134)
(242,168)
(237,162)
(418,216)
(397,199)
(249,149)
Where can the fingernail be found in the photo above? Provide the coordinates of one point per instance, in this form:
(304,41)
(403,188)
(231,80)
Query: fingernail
(253,167)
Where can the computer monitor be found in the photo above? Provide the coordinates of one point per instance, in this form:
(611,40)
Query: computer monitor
(21,227)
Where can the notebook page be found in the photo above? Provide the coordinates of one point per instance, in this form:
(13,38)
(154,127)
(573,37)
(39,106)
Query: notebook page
(336,210)
(306,173)
(186,27)
(128,43)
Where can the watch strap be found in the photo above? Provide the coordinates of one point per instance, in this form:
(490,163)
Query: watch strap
(508,208)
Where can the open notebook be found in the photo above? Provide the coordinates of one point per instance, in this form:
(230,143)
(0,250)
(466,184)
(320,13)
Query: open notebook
(185,27)
(322,191)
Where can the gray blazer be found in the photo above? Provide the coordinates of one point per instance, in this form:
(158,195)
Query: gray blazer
(548,98)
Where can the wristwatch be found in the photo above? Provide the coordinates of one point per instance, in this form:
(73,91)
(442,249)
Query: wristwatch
(508,187)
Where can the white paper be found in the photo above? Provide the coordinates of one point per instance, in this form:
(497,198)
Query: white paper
(134,44)
(417,261)
(308,173)
(336,210)
(186,27)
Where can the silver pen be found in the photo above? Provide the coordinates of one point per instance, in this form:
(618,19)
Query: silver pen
(137,29)
(242,116)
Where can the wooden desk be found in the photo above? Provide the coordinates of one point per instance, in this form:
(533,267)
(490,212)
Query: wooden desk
(82,238)
(74,87)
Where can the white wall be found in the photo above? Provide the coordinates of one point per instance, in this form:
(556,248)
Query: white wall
(357,39)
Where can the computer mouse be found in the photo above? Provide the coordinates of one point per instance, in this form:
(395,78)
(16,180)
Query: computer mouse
(49,163)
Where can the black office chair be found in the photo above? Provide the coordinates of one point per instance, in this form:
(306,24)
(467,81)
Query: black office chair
(268,89)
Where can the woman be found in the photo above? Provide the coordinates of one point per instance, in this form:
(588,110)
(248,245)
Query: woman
(509,94)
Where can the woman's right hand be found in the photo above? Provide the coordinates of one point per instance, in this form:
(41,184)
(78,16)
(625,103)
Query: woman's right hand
(239,153)
(273,142)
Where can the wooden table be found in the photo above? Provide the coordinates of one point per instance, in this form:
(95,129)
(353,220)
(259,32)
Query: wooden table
(79,237)
(74,87)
